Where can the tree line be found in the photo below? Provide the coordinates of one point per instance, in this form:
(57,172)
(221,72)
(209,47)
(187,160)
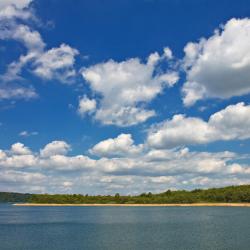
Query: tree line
(231,194)
(14,197)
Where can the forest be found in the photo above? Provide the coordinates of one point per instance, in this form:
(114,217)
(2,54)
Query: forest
(231,194)
(14,197)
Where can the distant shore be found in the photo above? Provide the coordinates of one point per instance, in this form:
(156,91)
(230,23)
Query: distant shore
(136,205)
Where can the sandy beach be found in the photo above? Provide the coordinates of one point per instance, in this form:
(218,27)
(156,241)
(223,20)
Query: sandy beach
(137,205)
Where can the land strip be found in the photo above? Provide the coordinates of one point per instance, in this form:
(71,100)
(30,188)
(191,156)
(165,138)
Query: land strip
(136,205)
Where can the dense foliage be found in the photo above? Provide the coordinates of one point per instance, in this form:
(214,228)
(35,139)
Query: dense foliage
(226,194)
(14,197)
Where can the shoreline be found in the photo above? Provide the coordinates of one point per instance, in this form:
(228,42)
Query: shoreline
(135,205)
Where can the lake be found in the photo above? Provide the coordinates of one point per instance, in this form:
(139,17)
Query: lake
(59,228)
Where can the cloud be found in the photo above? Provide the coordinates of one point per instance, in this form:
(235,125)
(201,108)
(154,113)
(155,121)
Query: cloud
(131,170)
(31,39)
(122,145)
(19,161)
(52,157)
(179,131)
(55,148)
(3,155)
(19,149)
(168,53)
(56,63)
(17,177)
(220,65)
(123,116)
(19,156)
(17,3)
(11,11)
(126,87)
(67,184)
(60,162)
(86,106)
(231,123)
(27,133)
(21,181)
(17,92)
(167,163)
(48,64)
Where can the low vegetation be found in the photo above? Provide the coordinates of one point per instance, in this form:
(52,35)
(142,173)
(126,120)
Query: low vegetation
(232,194)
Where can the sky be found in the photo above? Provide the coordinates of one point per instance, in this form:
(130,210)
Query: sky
(107,96)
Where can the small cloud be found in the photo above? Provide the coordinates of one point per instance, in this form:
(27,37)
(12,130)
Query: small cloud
(27,134)
(55,148)
(67,184)
(71,106)
(86,105)
(202,108)
(85,57)
(19,149)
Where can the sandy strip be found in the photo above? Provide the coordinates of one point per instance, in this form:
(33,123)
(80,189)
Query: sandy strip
(137,205)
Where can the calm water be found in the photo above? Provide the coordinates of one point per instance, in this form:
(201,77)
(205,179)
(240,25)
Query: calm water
(59,228)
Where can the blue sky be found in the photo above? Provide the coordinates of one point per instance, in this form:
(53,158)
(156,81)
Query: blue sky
(124,96)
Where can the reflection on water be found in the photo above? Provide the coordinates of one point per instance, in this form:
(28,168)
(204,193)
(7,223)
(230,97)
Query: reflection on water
(59,228)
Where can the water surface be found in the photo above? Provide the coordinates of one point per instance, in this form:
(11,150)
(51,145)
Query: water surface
(118,228)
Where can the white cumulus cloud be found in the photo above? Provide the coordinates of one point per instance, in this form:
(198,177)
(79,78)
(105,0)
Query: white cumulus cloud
(19,149)
(220,65)
(125,86)
(122,145)
(55,148)
(86,105)
(56,63)
(231,123)
(130,170)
